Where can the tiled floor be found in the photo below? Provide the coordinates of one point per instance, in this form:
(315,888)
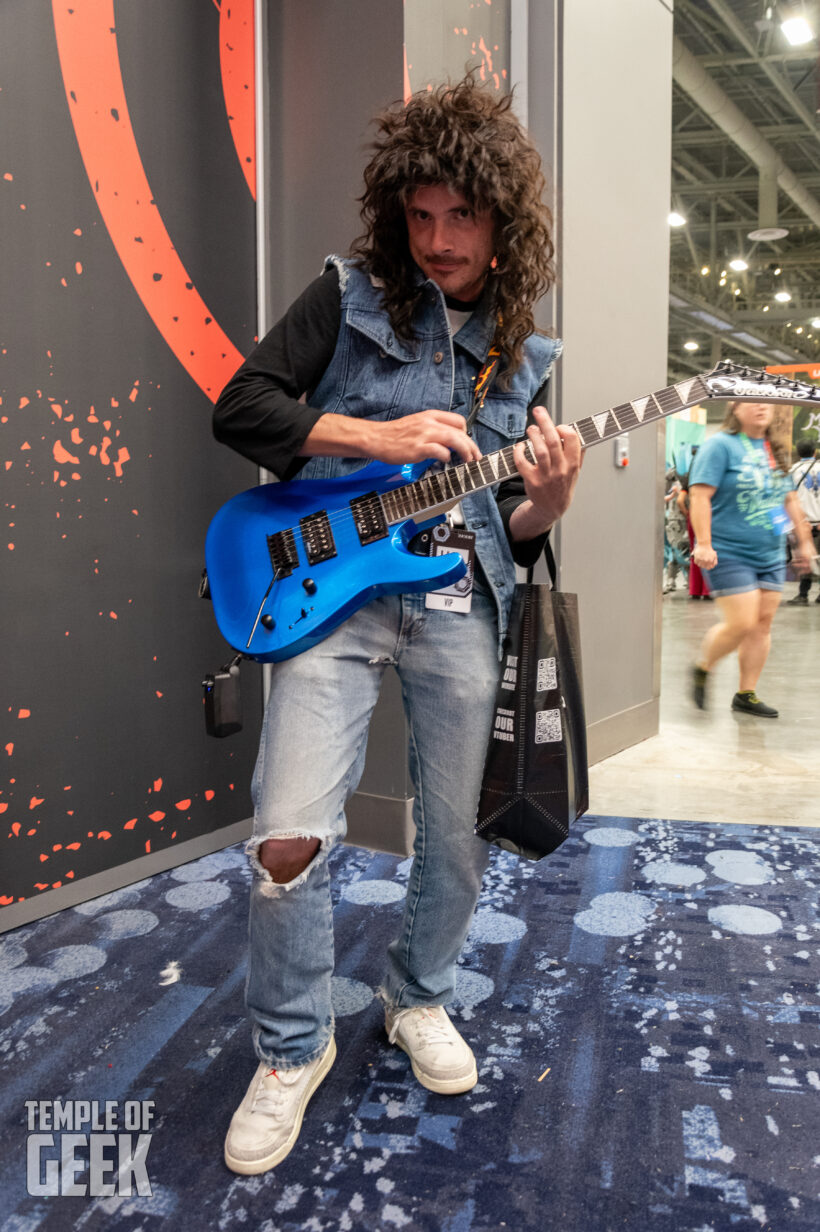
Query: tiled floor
(717,765)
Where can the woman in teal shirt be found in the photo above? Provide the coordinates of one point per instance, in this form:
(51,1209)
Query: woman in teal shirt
(741,504)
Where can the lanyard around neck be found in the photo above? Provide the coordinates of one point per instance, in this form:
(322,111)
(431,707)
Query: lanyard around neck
(750,451)
(749,448)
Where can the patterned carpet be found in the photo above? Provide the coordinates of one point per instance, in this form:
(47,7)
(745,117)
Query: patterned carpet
(644,1006)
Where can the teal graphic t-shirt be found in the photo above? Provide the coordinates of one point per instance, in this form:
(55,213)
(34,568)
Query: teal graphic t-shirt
(749,494)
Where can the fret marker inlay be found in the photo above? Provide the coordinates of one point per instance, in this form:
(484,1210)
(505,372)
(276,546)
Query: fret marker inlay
(600,423)
(639,408)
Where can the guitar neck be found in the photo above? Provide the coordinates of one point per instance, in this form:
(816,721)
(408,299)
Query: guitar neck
(450,484)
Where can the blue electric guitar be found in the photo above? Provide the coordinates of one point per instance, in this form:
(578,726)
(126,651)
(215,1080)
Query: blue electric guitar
(288,562)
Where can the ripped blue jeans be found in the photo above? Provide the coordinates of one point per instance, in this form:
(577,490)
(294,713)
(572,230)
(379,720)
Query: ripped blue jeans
(311,758)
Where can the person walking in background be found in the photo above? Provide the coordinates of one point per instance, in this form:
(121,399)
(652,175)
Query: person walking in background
(806,479)
(675,538)
(698,586)
(742,497)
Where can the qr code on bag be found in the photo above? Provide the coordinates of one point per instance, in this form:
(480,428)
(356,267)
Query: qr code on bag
(547,677)
(547,726)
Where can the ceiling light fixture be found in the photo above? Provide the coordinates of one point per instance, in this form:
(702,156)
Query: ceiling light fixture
(815,322)
(676,220)
(691,345)
(704,270)
(783,297)
(767,235)
(738,264)
(797,30)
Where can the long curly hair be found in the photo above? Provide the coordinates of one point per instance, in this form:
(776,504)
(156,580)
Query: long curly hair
(731,424)
(468,139)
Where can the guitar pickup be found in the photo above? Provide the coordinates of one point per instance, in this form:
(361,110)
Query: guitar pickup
(368,517)
(317,537)
(283,554)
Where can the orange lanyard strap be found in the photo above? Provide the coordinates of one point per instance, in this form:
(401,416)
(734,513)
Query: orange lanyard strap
(483,382)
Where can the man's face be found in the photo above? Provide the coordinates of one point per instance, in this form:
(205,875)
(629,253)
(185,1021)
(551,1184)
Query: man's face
(450,241)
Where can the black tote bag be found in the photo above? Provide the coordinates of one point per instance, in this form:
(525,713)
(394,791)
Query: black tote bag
(535,774)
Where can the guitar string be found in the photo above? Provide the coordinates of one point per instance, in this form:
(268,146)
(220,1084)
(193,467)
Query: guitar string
(342,516)
(659,397)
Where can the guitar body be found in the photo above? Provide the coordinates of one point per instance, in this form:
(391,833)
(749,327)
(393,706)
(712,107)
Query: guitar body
(315,596)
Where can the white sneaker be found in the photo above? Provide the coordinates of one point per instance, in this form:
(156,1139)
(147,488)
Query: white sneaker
(266,1124)
(442,1060)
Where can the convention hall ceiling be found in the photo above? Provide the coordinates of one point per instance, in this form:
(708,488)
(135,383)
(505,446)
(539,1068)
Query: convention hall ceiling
(745,159)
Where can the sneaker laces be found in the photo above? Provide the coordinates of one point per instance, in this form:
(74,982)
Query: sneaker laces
(431,1028)
(271,1098)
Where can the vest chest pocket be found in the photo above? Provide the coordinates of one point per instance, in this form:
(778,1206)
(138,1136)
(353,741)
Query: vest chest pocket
(377,366)
(501,421)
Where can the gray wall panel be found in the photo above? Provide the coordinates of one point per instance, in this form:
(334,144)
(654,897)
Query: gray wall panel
(615,135)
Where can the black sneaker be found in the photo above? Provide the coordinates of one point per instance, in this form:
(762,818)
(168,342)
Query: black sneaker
(750,703)
(699,678)
(801,599)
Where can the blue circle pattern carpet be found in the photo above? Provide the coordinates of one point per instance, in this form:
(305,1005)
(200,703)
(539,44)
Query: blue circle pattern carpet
(644,1006)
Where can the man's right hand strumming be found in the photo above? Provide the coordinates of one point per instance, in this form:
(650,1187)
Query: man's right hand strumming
(412,438)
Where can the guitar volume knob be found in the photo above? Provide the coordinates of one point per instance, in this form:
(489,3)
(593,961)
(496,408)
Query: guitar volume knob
(268,621)
(309,586)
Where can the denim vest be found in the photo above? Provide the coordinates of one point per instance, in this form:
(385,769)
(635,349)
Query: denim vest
(375,374)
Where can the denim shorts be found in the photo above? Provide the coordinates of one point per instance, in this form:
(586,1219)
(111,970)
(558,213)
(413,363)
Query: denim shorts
(733,577)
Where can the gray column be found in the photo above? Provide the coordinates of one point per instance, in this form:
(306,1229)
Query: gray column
(600,108)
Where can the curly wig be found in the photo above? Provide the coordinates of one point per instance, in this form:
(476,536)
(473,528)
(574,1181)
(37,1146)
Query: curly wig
(731,424)
(468,139)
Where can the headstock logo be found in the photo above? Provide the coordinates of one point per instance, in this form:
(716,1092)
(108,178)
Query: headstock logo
(738,387)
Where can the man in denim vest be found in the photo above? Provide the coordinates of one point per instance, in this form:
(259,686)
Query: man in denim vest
(379,359)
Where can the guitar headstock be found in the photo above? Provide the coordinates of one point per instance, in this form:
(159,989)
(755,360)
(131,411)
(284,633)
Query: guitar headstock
(736,383)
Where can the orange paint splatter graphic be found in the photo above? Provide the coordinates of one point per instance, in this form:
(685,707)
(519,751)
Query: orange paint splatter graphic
(89,59)
(236,52)
(62,455)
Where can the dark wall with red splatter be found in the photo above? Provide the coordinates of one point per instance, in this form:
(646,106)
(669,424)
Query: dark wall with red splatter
(127,298)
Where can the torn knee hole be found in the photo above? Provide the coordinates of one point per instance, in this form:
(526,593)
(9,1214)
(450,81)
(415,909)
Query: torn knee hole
(285,858)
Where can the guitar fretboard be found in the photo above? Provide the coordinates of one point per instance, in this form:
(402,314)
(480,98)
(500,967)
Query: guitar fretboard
(454,482)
